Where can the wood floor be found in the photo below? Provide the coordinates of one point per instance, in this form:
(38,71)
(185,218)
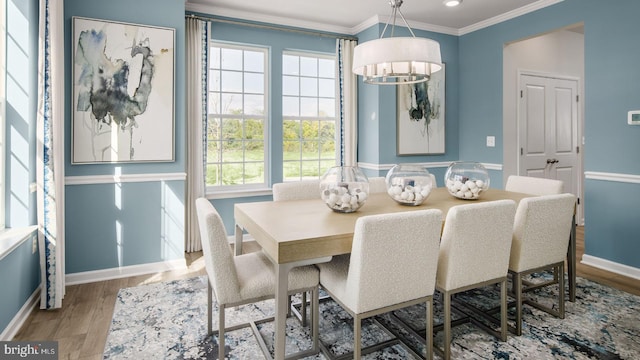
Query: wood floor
(81,326)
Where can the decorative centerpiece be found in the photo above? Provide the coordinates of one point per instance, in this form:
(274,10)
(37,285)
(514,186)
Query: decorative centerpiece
(408,184)
(466,179)
(344,188)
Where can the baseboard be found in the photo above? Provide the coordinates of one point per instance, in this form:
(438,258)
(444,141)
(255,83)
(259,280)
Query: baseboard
(23,314)
(125,271)
(611,266)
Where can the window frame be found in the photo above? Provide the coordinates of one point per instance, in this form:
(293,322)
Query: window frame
(218,189)
(3,118)
(301,118)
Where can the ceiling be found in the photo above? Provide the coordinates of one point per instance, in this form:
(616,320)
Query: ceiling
(351,16)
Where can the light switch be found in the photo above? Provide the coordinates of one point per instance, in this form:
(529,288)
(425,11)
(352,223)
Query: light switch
(491,141)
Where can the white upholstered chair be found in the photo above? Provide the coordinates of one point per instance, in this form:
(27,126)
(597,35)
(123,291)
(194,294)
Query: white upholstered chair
(533,185)
(296,190)
(392,265)
(377,184)
(540,239)
(243,279)
(434,183)
(474,252)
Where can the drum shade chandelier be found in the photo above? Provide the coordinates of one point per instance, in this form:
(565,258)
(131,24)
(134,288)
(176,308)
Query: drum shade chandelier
(397,60)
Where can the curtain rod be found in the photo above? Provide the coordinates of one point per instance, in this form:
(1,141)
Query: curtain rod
(272,27)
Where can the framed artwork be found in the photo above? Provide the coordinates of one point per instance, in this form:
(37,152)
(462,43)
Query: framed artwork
(420,122)
(123,92)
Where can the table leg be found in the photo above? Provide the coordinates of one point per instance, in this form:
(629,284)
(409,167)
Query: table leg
(282,282)
(282,287)
(238,242)
(571,261)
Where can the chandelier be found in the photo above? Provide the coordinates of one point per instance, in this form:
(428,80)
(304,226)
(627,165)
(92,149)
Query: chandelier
(397,60)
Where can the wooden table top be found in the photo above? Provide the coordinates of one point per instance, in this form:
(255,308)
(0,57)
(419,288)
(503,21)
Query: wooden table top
(297,230)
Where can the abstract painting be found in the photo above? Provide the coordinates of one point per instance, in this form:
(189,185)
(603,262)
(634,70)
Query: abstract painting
(123,92)
(420,122)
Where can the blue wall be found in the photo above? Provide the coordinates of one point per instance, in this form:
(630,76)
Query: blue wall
(19,278)
(611,53)
(114,225)
(19,270)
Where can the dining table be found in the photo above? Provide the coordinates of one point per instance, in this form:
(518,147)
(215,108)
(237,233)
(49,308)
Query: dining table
(303,232)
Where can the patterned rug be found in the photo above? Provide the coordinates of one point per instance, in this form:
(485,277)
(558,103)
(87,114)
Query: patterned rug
(168,321)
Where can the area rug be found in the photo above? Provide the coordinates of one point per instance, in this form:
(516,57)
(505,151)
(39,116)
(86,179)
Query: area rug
(168,321)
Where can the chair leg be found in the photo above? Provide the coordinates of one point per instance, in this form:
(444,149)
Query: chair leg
(429,337)
(303,309)
(517,289)
(357,327)
(447,325)
(221,327)
(561,290)
(209,306)
(315,318)
(503,310)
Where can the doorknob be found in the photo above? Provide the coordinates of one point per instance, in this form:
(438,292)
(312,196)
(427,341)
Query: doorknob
(552,161)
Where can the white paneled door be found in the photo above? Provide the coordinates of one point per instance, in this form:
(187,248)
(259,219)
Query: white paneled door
(548,129)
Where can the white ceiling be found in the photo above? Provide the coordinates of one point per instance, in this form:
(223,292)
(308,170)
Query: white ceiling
(352,16)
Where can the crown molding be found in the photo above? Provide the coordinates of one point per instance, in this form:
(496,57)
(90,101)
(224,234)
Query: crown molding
(269,19)
(376,19)
(507,16)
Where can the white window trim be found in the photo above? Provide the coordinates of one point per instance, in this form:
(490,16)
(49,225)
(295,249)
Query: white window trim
(336,97)
(214,191)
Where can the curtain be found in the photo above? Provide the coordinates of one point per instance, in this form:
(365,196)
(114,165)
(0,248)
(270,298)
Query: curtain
(196,58)
(348,103)
(50,152)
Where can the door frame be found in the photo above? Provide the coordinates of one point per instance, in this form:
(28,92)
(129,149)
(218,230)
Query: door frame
(580,133)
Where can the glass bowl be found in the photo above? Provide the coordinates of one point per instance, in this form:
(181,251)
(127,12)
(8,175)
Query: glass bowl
(344,188)
(466,180)
(408,184)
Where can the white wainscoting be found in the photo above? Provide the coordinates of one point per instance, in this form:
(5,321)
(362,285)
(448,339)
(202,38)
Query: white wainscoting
(625,178)
(441,164)
(122,178)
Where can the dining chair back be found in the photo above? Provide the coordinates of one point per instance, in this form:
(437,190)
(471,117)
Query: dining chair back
(393,264)
(377,184)
(533,185)
(474,252)
(540,240)
(243,279)
(296,190)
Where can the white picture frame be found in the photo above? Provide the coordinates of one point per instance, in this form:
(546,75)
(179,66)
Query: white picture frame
(123,92)
(420,122)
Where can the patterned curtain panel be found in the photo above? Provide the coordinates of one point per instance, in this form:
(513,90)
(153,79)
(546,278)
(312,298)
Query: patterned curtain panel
(50,153)
(197,34)
(348,93)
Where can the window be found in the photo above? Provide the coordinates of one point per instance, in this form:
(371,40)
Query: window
(236,122)
(3,75)
(308,114)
